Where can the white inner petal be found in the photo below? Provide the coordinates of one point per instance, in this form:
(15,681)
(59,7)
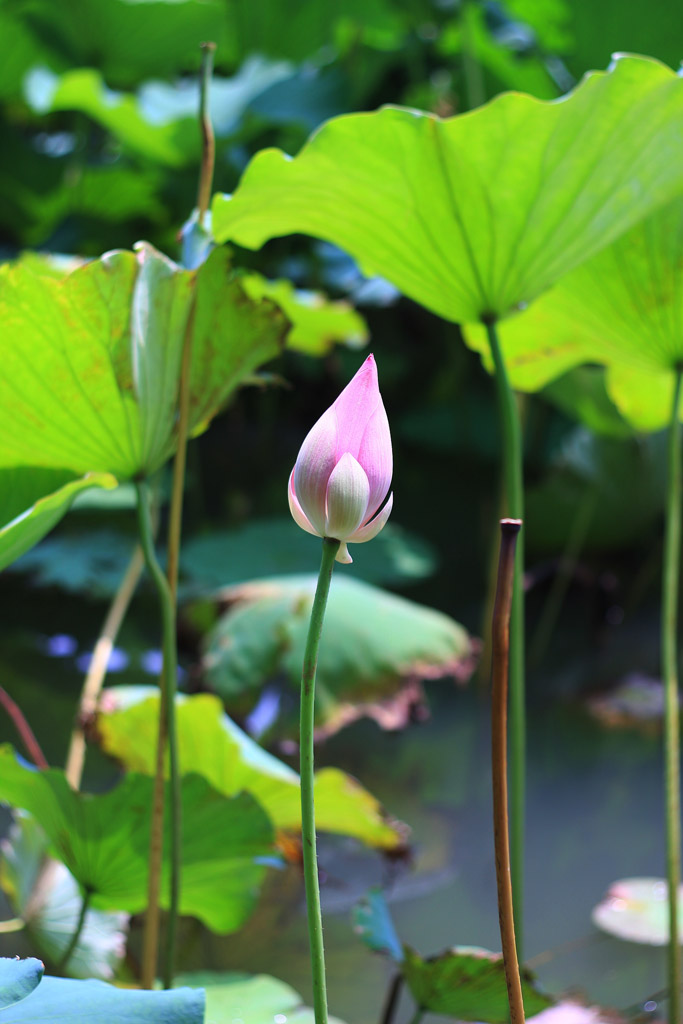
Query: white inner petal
(348,493)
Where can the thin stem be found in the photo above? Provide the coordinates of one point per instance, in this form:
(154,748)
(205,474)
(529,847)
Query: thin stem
(417,1016)
(167,737)
(670,587)
(509,530)
(392,999)
(73,942)
(97,670)
(474,79)
(208,140)
(25,731)
(313,912)
(514,496)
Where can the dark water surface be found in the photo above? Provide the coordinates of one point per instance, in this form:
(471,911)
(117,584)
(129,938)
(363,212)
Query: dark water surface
(595,814)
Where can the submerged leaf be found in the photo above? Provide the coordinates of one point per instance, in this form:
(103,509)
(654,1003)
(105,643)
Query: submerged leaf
(265,547)
(211,745)
(468,984)
(476,214)
(377,647)
(104,840)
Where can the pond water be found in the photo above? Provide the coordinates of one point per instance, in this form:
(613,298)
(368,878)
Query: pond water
(594,815)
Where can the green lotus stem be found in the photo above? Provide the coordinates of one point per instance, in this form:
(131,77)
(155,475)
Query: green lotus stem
(80,924)
(500,635)
(167,736)
(670,586)
(514,497)
(306,728)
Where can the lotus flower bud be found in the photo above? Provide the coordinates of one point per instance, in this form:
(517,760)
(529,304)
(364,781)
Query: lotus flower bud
(343,470)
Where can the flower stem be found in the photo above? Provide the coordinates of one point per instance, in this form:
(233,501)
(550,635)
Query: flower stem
(73,942)
(514,496)
(670,586)
(167,738)
(509,529)
(315,924)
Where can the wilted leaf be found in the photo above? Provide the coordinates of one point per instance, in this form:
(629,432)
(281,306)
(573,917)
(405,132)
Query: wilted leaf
(52,914)
(372,922)
(104,840)
(253,999)
(374,645)
(211,745)
(73,1002)
(637,909)
(18,978)
(468,984)
(473,215)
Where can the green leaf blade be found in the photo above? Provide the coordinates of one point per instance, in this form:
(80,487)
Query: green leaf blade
(481,212)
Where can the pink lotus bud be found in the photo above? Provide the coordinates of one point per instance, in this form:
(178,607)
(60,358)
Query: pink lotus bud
(343,470)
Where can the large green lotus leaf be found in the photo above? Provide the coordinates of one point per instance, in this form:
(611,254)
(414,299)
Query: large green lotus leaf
(468,984)
(108,340)
(211,745)
(52,913)
(637,909)
(253,999)
(318,323)
(33,500)
(18,978)
(623,309)
(476,214)
(265,547)
(375,649)
(104,840)
(67,1001)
